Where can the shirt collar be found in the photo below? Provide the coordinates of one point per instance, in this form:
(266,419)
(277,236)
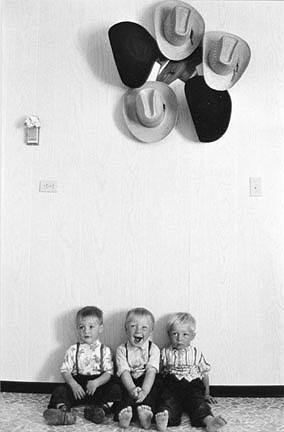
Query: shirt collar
(181,350)
(144,347)
(92,346)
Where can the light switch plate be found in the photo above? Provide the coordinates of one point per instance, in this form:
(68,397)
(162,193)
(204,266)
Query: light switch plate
(48,186)
(255,187)
(32,135)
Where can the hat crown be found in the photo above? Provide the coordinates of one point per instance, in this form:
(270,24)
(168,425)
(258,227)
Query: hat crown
(140,46)
(223,58)
(178,25)
(150,107)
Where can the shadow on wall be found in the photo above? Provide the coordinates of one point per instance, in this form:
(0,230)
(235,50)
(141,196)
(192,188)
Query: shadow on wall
(65,332)
(95,47)
(114,330)
(160,333)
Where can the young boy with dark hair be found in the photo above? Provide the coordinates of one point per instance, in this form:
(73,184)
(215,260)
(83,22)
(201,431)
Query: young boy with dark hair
(87,370)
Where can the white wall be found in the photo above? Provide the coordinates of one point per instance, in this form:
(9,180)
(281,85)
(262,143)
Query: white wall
(169,226)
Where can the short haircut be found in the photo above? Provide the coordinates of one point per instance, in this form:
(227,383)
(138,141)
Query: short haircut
(181,318)
(142,312)
(89,311)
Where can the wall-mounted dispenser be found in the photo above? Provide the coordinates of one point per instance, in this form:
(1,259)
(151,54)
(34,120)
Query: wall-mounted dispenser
(32,126)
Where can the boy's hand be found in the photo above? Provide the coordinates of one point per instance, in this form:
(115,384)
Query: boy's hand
(141,396)
(210,399)
(78,391)
(135,392)
(91,387)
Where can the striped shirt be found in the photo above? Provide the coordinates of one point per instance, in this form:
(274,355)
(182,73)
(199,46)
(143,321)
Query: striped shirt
(188,363)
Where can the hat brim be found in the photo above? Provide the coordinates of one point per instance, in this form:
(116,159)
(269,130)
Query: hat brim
(210,109)
(135,52)
(170,51)
(150,134)
(223,82)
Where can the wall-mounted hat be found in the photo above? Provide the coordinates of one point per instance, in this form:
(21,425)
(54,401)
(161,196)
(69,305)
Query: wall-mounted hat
(150,112)
(179,29)
(210,109)
(225,58)
(135,52)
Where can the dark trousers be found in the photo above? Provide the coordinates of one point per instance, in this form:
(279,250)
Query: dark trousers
(109,392)
(184,396)
(150,400)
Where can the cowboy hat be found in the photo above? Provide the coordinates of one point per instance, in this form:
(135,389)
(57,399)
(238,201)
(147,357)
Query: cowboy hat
(179,29)
(135,52)
(210,109)
(150,112)
(225,58)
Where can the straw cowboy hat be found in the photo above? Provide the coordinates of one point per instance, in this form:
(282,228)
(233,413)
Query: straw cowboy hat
(225,58)
(179,29)
(135,52)
(210,109)
(150,112)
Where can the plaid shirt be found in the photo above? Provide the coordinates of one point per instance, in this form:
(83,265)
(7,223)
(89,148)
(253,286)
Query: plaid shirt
(188,363)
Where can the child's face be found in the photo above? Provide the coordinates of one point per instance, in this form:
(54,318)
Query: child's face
(138,329)
(89,329)
(181,334)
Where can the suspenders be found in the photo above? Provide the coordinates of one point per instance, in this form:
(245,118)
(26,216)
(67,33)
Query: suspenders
(101,358)
(149,350)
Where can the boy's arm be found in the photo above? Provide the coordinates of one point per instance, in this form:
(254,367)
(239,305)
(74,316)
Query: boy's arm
(151,369)
(92,385)
(66,370)
(208,397)
(78,391)
(123,371)
(128,383)
(147,384)
(204,368)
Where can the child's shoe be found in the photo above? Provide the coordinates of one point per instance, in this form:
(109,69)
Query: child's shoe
(94,413)
(59,416)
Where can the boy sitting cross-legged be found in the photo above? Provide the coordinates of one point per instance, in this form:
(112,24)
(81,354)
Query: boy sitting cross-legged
(87,370)
(137,364)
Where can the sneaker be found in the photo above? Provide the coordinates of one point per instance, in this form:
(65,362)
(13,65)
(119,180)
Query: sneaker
(60,416)
(94,414)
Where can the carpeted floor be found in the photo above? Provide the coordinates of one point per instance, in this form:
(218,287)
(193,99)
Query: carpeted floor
(23,412)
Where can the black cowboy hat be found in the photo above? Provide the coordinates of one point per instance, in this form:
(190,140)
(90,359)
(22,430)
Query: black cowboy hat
(210,109)
(135,52)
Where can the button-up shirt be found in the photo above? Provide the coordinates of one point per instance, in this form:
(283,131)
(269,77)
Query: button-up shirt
(89,359)
(137,360)
(188,363)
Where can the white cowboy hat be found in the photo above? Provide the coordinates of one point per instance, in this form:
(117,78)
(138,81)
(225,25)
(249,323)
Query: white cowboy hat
(150,112)
(225,58)
(179,29)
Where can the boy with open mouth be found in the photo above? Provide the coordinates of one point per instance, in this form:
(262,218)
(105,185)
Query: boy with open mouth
(137,365)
